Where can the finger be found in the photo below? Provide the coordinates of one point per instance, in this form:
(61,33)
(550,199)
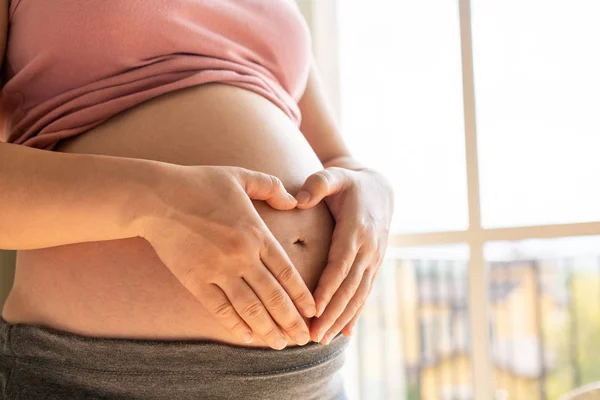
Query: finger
(278,303)
(350,325)
(277,261)
(343,251)
(252,310)
(321,184)
(216,302)
(347,330)
(259,186)
(340,301)
(353,308)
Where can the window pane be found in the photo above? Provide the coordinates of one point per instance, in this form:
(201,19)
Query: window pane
(537,85)
(544,316)
(412,340)
(402,105)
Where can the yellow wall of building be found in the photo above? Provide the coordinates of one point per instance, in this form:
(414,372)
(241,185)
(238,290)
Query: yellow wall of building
(518,387)
(451,371)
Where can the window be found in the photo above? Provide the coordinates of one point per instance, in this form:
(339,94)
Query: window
(485,116)
(403,92)
(425,340)
(546,302)
(536,91)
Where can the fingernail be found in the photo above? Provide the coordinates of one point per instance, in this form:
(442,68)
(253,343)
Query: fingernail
(310,311)
(303,197)
(280,343)
(247,337)
(320,336)
(302,338)
(329,337)
(320,309)
(292,198)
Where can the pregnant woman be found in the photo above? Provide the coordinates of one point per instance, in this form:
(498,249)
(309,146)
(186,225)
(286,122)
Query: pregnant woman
(148,151)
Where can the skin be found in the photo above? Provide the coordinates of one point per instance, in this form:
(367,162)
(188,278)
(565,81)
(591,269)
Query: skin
(190,237)
(361,201)
(250,267)
(358,246)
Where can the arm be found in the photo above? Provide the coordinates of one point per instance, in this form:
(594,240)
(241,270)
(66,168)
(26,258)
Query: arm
(361,201)
(318,126)
(51,199)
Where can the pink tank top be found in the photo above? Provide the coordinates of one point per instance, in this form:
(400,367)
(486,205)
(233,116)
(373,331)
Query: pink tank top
(72,64)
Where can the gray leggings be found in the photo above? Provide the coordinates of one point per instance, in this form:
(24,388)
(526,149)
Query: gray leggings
(41,363)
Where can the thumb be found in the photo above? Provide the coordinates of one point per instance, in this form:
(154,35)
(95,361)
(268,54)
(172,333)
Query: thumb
(320,185)
(260,186)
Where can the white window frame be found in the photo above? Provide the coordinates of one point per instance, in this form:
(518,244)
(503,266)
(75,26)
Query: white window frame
(322,18)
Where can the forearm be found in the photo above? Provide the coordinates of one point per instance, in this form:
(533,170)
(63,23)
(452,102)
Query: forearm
(49,198)
(319,126)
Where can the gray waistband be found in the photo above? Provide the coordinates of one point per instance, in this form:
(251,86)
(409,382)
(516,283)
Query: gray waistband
(205,365)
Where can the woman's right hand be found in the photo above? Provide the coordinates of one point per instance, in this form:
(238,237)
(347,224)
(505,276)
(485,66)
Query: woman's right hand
(206,230)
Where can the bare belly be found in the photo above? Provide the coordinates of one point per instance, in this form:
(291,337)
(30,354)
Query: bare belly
(120,288)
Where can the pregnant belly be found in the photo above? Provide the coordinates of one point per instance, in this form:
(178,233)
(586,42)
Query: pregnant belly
(120,288)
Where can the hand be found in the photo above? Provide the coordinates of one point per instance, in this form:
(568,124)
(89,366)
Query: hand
(207,232)
(361,202)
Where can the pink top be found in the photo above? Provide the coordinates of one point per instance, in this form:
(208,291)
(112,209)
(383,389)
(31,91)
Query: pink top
(72,64)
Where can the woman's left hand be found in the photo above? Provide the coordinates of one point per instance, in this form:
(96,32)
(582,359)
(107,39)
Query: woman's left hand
(361,202)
